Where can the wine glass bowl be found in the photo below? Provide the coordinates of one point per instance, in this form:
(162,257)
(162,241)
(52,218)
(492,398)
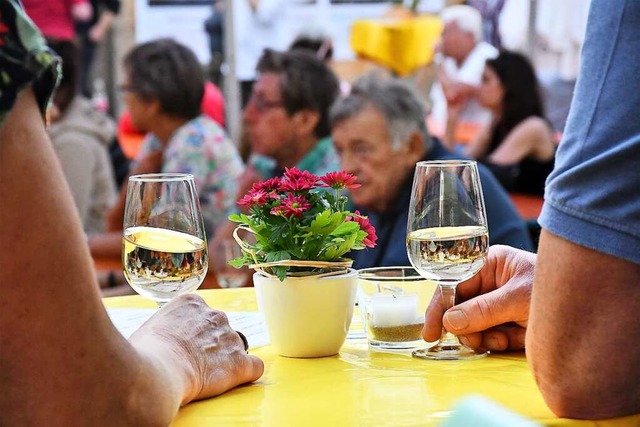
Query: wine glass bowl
(447,237)
(164,247)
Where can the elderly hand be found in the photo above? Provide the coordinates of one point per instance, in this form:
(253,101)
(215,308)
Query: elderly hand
(197,343)
(492,308)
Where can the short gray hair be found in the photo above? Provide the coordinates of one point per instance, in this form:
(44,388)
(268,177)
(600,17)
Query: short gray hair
(466,17)
(396,101)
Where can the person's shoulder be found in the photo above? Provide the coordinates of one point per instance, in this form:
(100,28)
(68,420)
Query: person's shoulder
(485,49)
(83,118)
(324,158)
(479,55)
(534,128)
(534,124)
(199,131)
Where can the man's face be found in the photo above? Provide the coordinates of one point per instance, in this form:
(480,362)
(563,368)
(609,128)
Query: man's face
(266,122)
(456,43)
(363,144)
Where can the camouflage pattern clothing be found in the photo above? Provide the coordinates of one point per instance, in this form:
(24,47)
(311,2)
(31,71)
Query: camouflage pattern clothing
(24,59)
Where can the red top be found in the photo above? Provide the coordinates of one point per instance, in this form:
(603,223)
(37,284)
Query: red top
(213,103)
(53,17)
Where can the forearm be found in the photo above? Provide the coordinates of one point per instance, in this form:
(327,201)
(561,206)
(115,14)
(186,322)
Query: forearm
(61,358)
(107,245)
(584,308)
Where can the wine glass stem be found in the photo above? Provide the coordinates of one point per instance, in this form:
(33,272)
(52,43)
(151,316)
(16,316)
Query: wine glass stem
(448,300)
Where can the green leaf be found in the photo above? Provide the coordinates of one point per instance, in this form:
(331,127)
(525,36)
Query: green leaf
(277,256)
(346,227)
(237,262)
(326,222)
(238,218)
(280,271)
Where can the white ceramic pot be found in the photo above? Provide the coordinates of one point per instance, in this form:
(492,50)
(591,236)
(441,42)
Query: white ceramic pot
(307,317)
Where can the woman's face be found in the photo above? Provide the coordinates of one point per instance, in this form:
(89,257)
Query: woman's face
(491,91)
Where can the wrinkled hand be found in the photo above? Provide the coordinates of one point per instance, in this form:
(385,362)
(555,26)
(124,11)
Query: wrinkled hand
(202,346)
(492,308)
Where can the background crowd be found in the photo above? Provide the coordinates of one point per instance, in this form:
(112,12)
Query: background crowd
(298,112)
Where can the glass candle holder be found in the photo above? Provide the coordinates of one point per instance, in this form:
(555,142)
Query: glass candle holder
(392,302)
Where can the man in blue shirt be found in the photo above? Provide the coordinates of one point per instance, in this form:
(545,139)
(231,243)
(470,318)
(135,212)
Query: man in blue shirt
(379,133)
(579,300)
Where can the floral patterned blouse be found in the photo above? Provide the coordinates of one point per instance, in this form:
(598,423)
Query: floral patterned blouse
(202,148)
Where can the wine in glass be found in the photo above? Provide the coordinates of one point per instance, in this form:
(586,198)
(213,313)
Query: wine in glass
(164,247)
(447,237)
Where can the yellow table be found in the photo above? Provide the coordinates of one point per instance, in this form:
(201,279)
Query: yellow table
(362,388)
(400,44)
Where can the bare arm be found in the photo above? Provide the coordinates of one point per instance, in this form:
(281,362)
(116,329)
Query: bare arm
(98,31)
(531,138)
(583,331)
(61,357)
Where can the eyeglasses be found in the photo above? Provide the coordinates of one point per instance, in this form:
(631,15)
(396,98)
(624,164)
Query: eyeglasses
(261,105)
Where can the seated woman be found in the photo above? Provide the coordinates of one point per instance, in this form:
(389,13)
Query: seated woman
(62,361)
(518,144)
(163,89)
(81,137)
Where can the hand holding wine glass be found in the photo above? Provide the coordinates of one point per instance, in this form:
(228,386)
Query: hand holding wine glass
(164,248)
(447,237)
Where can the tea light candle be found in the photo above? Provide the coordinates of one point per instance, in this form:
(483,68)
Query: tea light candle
(393,310)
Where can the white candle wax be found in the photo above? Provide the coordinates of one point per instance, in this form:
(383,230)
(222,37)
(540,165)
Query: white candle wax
(393,310)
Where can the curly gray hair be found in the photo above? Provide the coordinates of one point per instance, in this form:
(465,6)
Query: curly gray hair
(396,101)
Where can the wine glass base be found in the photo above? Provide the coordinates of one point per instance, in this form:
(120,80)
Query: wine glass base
(450,352)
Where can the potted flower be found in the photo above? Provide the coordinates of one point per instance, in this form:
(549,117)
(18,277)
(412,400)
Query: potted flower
(300,232)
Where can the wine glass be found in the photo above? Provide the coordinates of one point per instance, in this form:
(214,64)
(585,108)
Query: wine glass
(164,247)
(447,237)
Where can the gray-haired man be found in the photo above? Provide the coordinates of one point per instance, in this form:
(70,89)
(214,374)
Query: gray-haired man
(380,134)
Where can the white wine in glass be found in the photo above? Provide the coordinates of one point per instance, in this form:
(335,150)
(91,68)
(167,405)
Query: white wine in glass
(447,237)
(164,247)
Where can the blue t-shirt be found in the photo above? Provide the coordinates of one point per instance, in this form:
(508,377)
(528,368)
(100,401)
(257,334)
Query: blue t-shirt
(593,195)
(505,225)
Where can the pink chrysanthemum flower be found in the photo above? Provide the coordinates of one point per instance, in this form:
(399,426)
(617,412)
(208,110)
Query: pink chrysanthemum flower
(365,225)
(292,206)
(296,180)
(339,180)
(254,198)
(267,186)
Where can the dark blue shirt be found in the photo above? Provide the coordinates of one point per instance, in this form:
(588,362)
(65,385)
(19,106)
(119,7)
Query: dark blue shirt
(505,225)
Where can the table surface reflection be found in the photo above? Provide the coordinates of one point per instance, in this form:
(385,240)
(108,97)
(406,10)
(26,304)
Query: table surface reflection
(359,387)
